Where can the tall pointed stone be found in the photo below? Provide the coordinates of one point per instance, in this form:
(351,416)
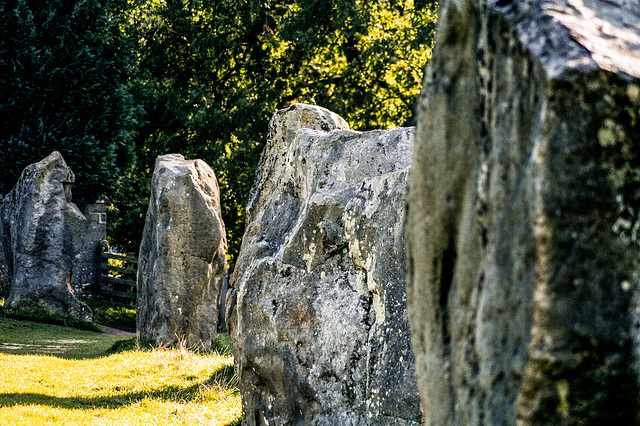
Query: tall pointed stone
(42,234)
(182,261)
(522,219)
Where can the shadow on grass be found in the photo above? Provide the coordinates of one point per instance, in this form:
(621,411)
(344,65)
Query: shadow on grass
(224,377)
(20,337)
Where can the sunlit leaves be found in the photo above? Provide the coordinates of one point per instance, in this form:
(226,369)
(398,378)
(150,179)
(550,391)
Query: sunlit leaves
(210,73)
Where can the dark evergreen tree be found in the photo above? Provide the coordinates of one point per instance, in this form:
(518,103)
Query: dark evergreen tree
(64,72)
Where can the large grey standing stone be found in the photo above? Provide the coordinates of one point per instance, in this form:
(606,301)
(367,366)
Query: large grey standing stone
(182,260)
(41,235)
(522,272)
(319,329)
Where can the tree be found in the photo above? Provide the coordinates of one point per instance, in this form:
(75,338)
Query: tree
(211,73)
(64,70)
(362,60)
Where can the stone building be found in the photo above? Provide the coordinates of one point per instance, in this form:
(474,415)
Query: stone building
(86,269)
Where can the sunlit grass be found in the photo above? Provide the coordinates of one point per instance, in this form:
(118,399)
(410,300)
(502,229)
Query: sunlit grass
(155,387)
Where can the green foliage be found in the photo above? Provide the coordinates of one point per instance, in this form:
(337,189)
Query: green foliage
(64,67)
(362,60)
(618,133)
(222,344)
(112,84)
(211,73)
(113,315)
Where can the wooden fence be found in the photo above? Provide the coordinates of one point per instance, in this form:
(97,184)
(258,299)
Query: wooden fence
(118,278)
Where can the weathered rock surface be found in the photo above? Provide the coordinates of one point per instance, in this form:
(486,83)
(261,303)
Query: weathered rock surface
(318,317)
(86,268)
(5,268)
(182,260)
(521,277)
(42,234)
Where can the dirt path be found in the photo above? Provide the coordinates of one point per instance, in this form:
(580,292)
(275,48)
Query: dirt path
(115,332)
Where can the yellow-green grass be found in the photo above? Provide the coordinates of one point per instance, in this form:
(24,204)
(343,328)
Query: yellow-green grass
(155,387)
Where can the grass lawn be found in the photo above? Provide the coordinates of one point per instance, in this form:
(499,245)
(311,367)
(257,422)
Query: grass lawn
(55,375)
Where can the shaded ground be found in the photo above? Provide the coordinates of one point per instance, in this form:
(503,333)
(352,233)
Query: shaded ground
(21,337)
(116,332)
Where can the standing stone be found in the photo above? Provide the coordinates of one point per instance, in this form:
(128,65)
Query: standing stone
(42,234)
(5,267)
(522,247)
(319,329)
(182,261)
(5,276)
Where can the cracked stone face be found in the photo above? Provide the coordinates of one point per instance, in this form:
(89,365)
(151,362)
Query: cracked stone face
(319,328)
(521,225)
